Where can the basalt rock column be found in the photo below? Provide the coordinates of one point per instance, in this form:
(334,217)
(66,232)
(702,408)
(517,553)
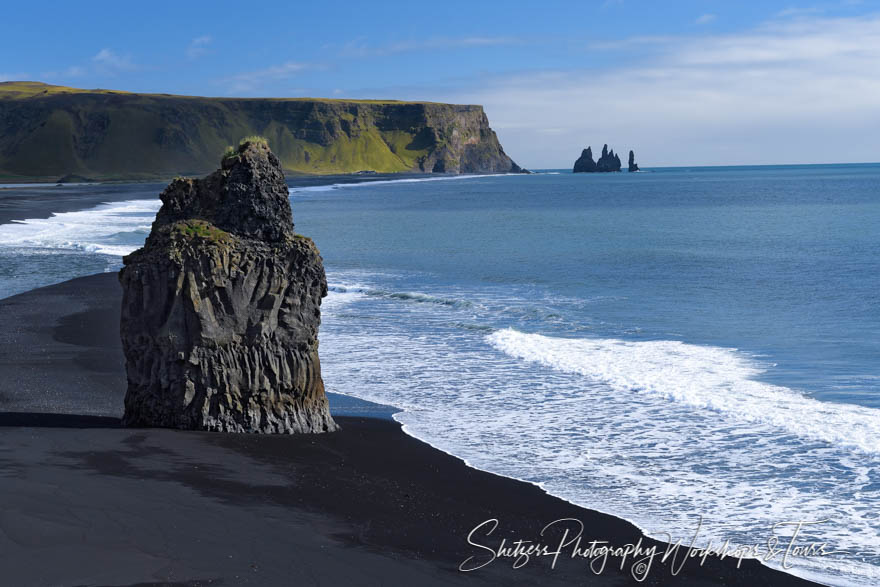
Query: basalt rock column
(221,307)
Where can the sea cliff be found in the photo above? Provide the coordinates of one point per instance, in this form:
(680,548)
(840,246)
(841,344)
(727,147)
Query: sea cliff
(52,131)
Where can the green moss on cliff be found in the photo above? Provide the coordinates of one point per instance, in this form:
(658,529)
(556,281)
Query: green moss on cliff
(198,229)
(51,131)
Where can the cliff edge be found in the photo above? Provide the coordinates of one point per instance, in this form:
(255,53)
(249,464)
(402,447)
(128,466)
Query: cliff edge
(52,131)
(221,307)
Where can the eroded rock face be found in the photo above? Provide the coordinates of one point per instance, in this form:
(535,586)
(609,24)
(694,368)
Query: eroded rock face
(221,308)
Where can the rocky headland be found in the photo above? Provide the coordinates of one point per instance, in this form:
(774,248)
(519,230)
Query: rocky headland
(221,307)
(608,162)
(51,131)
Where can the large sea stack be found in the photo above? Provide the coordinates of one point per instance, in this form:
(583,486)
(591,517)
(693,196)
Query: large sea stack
(221,307)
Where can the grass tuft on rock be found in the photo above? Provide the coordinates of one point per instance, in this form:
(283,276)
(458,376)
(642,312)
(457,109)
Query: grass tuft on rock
(252,140)
(200,229)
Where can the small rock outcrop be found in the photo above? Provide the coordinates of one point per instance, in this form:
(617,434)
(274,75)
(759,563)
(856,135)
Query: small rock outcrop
(632,166)
(221,307)
(608,162)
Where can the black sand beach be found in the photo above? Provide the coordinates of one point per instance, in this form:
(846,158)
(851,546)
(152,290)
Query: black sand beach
(86,502)
(44,200)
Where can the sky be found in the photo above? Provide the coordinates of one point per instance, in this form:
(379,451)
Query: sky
(690,82)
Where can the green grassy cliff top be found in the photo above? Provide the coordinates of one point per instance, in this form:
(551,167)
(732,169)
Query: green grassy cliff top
(23,89)
(50,132)
(14,90)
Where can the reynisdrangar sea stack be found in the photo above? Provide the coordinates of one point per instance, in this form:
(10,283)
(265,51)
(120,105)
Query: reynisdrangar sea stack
(221,307)
(608,162)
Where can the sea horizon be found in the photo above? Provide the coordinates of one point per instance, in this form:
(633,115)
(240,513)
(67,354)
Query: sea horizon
(319,179)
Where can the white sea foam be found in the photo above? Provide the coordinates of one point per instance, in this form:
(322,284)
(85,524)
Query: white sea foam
(110,229)
(342,295)
(706,377)
(658,433)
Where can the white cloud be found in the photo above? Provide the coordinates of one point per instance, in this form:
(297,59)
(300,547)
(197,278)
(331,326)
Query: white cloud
(198,47)
(13,77)
(360,47)
(800,11)
(105,62)
(251,81)
(789,91)
(70,72)
(109,62)
(705,18)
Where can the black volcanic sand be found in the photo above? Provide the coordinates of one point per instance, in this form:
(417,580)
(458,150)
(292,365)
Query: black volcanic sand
(43,200)
(86,502)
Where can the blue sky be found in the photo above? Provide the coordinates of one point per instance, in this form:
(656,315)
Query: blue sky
(681,82)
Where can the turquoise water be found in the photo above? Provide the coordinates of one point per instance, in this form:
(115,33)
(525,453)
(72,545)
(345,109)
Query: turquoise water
(664,346)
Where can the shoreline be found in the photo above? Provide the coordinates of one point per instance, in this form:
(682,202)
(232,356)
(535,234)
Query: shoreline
(43,200)
(382,504)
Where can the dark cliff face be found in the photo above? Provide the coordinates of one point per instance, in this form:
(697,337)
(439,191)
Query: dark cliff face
(98,134)
(221,308)
(466,144)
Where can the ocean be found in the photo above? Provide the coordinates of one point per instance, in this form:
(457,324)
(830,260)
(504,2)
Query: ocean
(692,349)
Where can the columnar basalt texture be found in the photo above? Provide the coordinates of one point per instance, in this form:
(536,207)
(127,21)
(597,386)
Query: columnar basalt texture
(221,308)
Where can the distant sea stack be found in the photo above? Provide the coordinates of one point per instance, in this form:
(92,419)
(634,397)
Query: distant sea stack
(52,131)
(221,307)
(632,166)
(585,163)
(608,162)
